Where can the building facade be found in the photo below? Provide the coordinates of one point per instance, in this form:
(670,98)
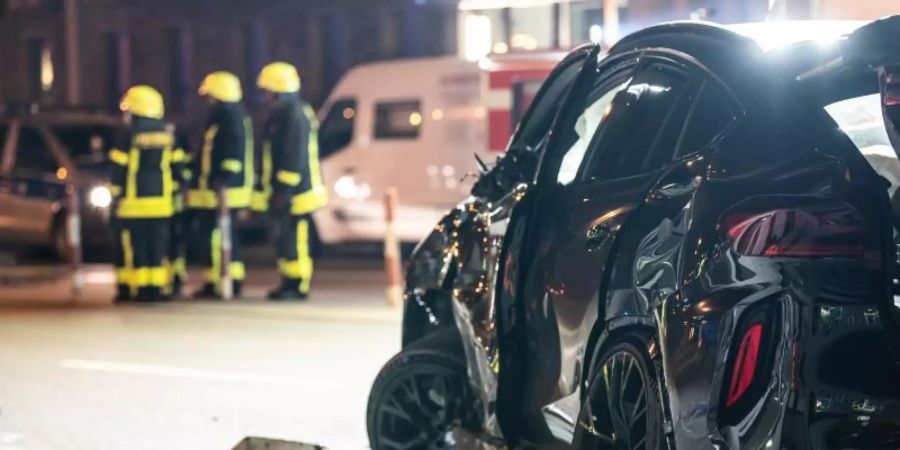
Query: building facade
(85,53)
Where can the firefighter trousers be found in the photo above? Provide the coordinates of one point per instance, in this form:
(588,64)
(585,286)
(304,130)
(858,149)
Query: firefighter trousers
(142,248)
(295,261)
(176,253)
(210,248)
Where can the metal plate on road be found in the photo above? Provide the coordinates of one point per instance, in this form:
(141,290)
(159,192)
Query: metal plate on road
(258,443)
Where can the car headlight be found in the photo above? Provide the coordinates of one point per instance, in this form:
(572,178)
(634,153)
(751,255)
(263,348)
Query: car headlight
(100,197)
(347,188)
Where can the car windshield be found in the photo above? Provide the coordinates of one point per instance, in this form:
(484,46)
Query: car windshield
(861,120)
(86,143)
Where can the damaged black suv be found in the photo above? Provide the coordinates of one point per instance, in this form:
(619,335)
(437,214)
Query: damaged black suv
(691,244)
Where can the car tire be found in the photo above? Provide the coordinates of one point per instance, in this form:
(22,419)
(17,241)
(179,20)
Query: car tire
(622,408)
(421,395)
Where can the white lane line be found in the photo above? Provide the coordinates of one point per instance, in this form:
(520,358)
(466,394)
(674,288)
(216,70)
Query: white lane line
(187,372)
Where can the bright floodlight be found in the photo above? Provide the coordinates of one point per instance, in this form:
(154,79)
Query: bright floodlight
(477,42)
(100,197)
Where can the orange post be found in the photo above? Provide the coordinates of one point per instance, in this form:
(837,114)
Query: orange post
(392,269)
(73,235)
(225,231)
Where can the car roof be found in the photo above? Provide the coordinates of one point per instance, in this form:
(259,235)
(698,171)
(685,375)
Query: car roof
(737,53)
(66,118)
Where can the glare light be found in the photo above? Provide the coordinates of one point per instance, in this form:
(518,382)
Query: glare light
(46,69)
(437,114)
(349,113)
(100,197)
(62,173)
(525,41)
(448,171)
(347,188)
(477,41)
(595,33)
(415,119)
(776,34)
(501,48)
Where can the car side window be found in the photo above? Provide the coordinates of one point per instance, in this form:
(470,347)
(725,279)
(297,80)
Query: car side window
(336,131)
(709,116)
(628,141)
(593,118)
(587,111)
(33,152)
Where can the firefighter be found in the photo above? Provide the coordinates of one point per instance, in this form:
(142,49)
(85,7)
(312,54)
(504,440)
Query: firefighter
(177,266)
(225,160)
(290,176)
(142,158)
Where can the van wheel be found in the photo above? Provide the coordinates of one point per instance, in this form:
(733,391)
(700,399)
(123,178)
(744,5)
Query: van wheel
(421,395)
(622,409)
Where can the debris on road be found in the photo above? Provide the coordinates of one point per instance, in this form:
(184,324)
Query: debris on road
(258,443)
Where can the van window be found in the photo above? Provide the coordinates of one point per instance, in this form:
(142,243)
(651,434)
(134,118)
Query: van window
(398,120)
(336,131)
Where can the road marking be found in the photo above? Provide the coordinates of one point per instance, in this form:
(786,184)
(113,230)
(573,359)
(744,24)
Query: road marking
(192,373)
(9,438)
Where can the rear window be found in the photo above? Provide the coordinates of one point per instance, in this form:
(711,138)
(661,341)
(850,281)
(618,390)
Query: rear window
(861,120)
(398,120)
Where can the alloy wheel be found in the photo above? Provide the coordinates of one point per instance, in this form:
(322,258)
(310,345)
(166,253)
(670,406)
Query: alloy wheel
(624,414)
(419,410)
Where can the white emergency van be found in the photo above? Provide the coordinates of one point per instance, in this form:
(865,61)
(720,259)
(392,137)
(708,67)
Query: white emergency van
(416,125)
(411,124)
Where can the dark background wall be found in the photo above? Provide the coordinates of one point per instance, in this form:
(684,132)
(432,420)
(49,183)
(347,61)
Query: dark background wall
(171,45)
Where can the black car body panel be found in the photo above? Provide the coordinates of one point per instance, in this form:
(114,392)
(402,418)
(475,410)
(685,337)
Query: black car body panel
(759,263)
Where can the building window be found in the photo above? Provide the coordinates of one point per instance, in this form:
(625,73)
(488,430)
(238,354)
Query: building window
(40,69)
(118,67)
(389,36)
(586,23)
(254,54)
(178,43)
(398,120)
(333,38)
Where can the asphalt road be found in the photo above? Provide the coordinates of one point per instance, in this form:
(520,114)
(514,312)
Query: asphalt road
(82,374)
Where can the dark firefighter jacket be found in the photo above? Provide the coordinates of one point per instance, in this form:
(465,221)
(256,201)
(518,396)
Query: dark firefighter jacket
(225,159)
(146,167)
(289,163)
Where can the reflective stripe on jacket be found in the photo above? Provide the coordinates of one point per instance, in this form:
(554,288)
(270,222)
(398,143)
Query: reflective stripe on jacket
(225,159)
(143,179)
(290,158)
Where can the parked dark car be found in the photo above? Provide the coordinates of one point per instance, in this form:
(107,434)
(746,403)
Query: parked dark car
(686,246)
(42,155)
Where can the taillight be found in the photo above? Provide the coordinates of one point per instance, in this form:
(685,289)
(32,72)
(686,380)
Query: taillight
(824,230)
(745,364)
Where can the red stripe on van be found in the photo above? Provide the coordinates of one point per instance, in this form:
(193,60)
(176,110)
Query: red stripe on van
(504,79)
(499,129)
